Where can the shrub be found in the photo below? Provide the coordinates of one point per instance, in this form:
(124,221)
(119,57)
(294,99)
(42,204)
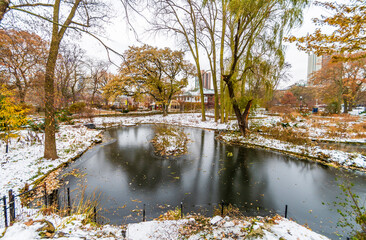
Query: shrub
(36,126)
(333,108)
(77,107)
(39,126)
(132,108)
(64,115)
(352,210)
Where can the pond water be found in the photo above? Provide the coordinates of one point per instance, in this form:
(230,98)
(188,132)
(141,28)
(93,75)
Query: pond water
(128,174)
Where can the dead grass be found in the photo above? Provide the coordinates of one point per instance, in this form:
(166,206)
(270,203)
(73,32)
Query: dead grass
(359,127)
(281,109)
(230,211)
(170,215)
(287,134)
(200,224)
(290,117)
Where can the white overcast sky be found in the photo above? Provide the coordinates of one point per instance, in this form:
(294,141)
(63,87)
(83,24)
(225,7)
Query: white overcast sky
(119,37)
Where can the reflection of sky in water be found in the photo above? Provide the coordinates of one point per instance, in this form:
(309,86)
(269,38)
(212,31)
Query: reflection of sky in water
(128,172)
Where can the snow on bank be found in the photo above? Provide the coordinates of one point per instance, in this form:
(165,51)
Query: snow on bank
(343,158)
(217,228)
(188,120)
(70,228)
(25,163)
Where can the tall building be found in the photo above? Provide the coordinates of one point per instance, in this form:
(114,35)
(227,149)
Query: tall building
(315,63)
(206,80)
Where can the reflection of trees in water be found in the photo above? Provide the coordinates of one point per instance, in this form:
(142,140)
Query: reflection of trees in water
(234,176)
(143,169)
(196,182)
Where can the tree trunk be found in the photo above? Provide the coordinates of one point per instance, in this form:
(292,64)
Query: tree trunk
(217,107)
(165,109)
(50,123)
(22,96)
(4,4)
(241,118)
(345,107)
(350,105)
(50,151)
(7,143)
(222,101)
(199,75)
(246,114)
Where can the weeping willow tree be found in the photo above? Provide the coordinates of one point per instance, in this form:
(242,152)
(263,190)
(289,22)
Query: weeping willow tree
(252,54)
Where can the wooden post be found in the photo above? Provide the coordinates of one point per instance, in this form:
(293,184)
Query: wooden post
(5,212)
(11,207)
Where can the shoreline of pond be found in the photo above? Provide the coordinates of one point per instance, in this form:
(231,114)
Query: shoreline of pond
(220,137)
(104,140)
(323,161)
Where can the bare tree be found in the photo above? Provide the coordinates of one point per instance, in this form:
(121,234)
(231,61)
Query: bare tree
(23,55)
(79,15)
(182,19)
(97,77)
(209,20)
(68,72)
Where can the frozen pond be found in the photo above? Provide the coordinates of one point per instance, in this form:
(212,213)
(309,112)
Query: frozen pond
(128,174)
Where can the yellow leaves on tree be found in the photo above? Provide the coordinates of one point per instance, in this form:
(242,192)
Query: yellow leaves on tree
(160,73)
(349,21)
(12,115)
(342,81)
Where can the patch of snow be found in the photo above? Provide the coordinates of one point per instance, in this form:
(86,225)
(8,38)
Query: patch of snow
(289,230)
(215,220)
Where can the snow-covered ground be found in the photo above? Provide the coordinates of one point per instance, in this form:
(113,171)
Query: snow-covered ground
(189,120)
(215,228)
(24,163)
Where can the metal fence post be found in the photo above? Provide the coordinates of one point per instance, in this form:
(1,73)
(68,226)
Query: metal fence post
(95,214)
(144,214)
(286,211)
(5,212)
(11,206)
(181,209)
(222,208)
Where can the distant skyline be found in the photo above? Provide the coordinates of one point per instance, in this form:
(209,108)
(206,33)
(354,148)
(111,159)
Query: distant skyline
(119,37)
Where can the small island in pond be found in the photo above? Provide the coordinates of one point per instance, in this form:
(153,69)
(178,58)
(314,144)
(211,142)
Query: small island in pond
(170,141)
